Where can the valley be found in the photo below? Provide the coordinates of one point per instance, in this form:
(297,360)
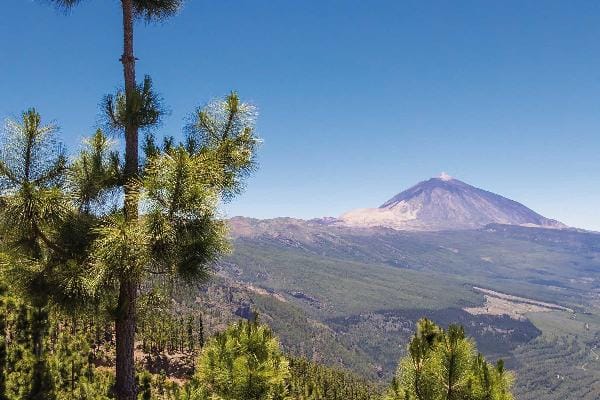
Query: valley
(350,297)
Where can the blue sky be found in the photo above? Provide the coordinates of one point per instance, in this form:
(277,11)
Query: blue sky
(358,99)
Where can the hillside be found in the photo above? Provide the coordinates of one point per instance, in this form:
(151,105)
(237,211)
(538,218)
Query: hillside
(350,296)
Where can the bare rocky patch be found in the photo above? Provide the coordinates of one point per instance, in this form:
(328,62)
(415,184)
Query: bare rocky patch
(497,303)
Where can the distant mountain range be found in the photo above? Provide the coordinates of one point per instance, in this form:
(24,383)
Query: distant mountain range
(445,203)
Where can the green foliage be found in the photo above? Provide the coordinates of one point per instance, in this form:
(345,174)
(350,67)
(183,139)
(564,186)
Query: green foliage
(70,360)
(65,244)
(444,365)
(559,367)
(181,185)
(185,234)
(63,240)
(95,173)
(161,329)
(150,10)
(3,351)
(244,362)
(145,386)
(30,153)
(143,109)
(46,202)
(222,132)
(310,381)
(120,250)
(32,168)
(65,370)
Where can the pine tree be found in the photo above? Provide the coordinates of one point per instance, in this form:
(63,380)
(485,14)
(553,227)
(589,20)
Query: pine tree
(244,362)
(3,347)
(68,244)
(200,332)
(32,170)
(70,361)
(19,355)
(42,383)
(145,386)
(310,381)
(133,102)
(444,365)
(191,340)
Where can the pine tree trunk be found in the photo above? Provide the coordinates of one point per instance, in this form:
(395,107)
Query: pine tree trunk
(125,332)
(125,322)
(3,352)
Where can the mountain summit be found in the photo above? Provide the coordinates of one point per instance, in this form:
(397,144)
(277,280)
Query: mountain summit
(446,203)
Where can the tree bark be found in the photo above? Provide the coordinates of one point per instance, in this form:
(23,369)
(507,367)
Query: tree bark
(131,130)
(125,387)
(125,333)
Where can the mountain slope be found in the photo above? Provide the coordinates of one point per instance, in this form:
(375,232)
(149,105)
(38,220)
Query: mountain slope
(349,291)
(446,203)
(350,296)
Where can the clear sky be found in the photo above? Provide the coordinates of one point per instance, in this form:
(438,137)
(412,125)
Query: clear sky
(358,99)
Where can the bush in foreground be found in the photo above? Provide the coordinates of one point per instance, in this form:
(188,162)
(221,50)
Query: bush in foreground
(244,362)
(445,365)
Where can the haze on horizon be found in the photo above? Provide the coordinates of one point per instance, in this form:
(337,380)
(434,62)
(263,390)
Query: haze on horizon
(358,101)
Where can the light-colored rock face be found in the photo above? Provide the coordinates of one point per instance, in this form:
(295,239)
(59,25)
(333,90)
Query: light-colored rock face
(446,203)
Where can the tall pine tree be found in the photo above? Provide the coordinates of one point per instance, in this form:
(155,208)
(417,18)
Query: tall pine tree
(128,285)
(32,172)
(68,243)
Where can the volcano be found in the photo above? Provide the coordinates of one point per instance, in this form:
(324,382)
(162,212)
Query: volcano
(446,203)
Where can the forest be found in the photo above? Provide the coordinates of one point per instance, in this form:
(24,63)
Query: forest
(48,354)
(97,236)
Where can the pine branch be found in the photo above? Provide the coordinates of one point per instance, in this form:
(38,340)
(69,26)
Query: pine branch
(56,171)
(5,172)
(49,243)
